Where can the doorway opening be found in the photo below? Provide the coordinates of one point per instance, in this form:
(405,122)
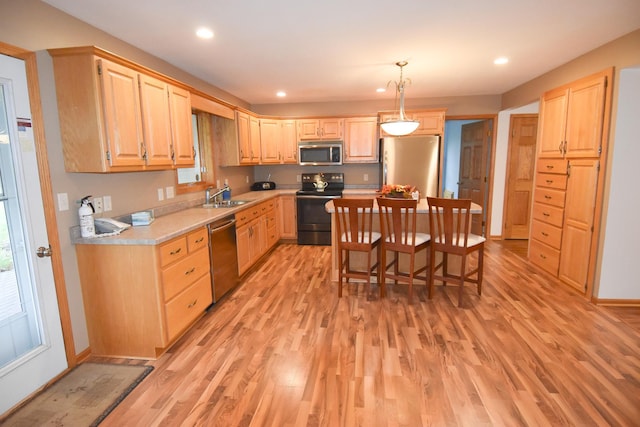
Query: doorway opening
(467,160)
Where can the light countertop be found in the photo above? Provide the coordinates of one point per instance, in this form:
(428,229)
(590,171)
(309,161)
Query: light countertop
(167,227)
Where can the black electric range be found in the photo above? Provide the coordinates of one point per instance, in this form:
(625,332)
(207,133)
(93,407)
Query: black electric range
(314,222)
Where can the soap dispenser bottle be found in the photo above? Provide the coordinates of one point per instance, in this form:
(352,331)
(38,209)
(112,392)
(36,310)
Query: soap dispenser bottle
(86,211)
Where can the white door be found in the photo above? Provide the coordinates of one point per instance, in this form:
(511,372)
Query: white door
(31,345)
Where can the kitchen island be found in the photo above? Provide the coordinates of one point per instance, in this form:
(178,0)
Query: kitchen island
(422,224)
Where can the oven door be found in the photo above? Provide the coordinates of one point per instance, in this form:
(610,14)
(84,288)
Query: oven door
(312,216)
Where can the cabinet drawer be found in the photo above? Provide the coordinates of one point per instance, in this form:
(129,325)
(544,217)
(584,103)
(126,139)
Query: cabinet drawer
(546,233)
(173,251)
(550,180)
(549,196)
(181,274)
(556,166)
(188,306)
(247,215)
(544,256)
(197,239)
(548,214)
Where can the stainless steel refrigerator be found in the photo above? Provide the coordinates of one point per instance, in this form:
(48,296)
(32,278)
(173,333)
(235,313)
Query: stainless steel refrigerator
(411,160)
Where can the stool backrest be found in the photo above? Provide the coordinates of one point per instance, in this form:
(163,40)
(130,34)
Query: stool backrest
(449,222)
(353,221)
(398,223)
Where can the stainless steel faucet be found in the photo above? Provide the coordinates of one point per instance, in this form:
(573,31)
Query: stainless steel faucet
(208,196)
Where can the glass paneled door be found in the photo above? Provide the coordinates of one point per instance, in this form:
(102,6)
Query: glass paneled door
(31,344)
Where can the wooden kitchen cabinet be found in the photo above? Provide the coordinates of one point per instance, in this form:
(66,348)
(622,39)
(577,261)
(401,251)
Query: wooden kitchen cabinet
(278,143)
(181,128)
(140,298)
(288,217)
(361,140)
(116,116)
(573,119)
(256,233)
(431,121)
(318,129)
(248,138)
(567,203)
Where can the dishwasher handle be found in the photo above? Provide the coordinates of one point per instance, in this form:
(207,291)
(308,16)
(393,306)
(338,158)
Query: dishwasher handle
(222,225)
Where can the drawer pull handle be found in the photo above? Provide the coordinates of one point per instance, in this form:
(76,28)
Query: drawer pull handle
(545,214)
(177,251)
(549,166)
(200,240)
(193,303)
(186,273)
(549,181)
(547,197)
(543,256)
(545,234)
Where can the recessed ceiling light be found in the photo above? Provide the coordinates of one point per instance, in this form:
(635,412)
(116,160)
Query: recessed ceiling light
(204,33)
(381,90)
(501,60)
(281,94)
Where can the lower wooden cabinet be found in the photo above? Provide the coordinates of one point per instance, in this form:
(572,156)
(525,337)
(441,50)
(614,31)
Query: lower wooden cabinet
(139,299)
(256,233)
(288,217)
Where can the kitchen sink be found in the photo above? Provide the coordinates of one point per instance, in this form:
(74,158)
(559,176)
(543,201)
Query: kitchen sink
(225,204)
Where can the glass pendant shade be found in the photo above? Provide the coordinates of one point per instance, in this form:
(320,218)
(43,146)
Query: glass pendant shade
(402,125)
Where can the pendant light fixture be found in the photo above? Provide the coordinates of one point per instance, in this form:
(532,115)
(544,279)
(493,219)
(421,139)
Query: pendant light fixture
(401,125)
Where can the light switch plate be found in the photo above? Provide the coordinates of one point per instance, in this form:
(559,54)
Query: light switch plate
(169,192)
(63,202)
(160,194)
(107,203)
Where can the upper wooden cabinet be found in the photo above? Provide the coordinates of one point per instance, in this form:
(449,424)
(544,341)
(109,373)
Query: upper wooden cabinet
(328,128)
(573,119)
(248,138)
(361,140)
(116,116)
(278,141)
(431,121)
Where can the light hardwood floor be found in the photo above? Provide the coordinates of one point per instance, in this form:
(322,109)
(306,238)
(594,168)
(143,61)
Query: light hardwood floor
(284,350)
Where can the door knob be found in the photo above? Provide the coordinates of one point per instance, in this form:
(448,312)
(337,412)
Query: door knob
(43,252)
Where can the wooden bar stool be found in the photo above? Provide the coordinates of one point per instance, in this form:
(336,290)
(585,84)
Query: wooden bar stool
(354,234)
(399,235)
(450,225)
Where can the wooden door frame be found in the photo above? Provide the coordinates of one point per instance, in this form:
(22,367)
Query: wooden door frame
(492,161)
(508,170)
(35,101)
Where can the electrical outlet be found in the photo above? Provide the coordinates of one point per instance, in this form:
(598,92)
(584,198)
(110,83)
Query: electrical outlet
(366,177)
(298,178)
(226,181)
(246,178)
(107,203)
(63,202)
(169,192)
(97,204)
(160,194)
(217,183)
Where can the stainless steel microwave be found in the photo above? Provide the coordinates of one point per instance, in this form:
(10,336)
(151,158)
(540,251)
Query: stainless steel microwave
(320,153)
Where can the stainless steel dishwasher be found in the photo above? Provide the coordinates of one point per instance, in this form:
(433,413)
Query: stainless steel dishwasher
(224,257)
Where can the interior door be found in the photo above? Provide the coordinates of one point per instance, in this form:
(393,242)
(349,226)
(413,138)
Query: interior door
(520,175)
(474,155)
(32,348)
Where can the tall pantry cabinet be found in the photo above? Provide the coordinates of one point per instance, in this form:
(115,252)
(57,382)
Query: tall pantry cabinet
(572,147)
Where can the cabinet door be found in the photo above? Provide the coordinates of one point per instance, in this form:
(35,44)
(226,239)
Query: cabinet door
(156,121)
(244,135)
(243,239)
(289,141)
(431,122)
(585,118)
(270,138)
(254,139)
(578,222)
(308,129)
(361,140)
(553,123)
(182,133)
(122,114)
(331,128)
(288,221)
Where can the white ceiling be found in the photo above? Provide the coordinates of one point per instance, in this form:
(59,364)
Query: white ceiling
(338,50)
